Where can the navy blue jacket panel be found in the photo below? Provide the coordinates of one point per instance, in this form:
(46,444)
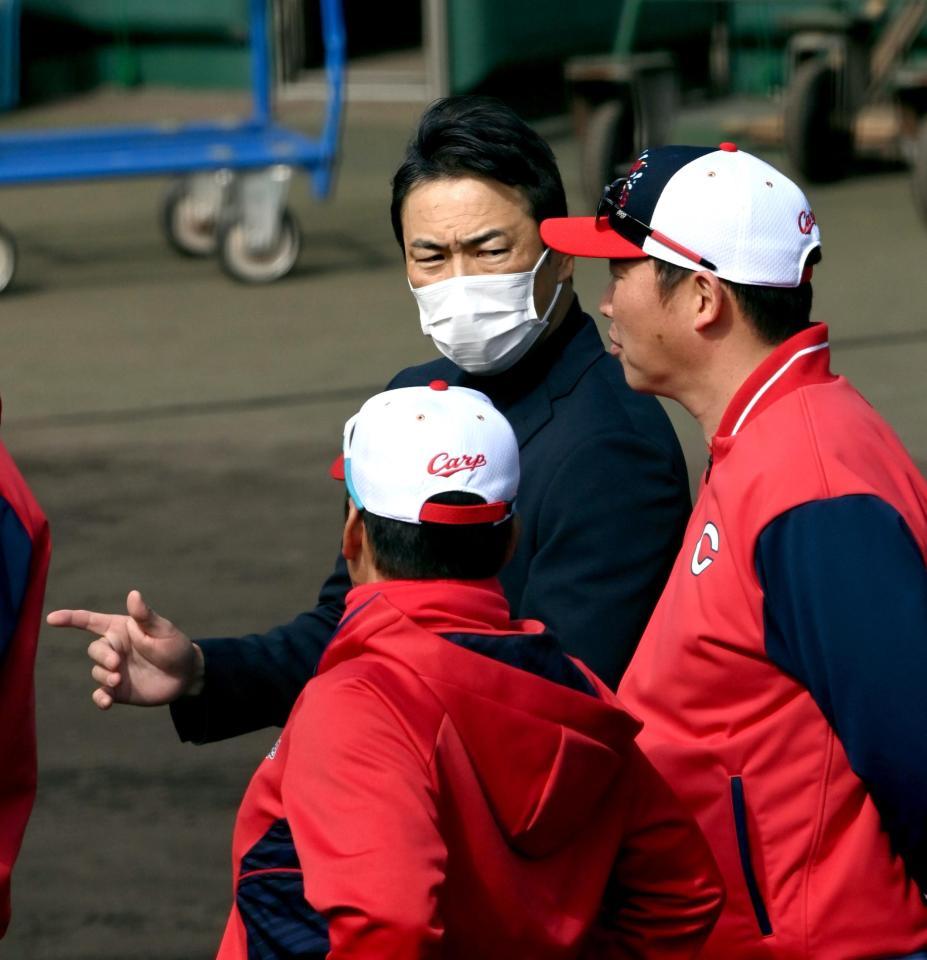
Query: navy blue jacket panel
(15,564)
(603,502)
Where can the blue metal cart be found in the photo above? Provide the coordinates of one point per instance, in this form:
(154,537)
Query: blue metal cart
(231,198)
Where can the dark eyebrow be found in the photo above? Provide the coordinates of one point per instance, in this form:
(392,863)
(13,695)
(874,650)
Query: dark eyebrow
(420,244)
(483,237)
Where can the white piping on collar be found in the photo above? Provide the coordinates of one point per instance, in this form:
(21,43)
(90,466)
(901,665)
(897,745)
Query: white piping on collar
(785,366)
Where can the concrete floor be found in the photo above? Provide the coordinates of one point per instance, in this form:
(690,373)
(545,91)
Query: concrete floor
(177,429)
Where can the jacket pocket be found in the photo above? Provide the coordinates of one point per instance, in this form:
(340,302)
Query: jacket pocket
(739,805)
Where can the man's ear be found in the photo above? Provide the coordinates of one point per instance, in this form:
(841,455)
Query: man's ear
(709,300)
(563,262)
(352,536)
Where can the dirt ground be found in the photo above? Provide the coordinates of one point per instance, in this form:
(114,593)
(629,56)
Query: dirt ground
(177,429)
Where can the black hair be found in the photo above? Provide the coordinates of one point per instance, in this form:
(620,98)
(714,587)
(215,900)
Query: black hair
(776,313)
(479,136)
(438,551)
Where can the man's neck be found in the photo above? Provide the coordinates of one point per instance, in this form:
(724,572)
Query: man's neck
(708,396)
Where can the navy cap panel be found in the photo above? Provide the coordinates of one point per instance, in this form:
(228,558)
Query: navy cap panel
(650,173)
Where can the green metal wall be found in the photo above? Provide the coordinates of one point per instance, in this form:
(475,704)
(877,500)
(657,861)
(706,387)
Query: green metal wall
(485,35)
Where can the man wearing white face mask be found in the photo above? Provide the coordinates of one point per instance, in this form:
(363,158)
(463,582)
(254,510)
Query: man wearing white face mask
(604,498)
(487,322)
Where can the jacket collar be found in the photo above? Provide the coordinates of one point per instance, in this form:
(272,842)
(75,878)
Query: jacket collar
(403,620)
(444,606)
(549,371)
(800,361)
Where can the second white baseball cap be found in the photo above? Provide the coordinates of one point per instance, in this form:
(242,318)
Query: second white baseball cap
(406,445)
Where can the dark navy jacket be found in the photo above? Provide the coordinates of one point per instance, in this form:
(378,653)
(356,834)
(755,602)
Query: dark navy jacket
(604,500)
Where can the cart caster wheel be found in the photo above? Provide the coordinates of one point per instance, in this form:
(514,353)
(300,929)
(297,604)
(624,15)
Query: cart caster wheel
(7,259)
(607,146)
(919,171)
(189,226)
(258,266)
(818,140)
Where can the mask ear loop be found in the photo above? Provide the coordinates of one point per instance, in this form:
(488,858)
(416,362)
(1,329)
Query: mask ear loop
(553,300)
(541,259)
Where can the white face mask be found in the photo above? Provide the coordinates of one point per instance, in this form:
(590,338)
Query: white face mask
(484,323)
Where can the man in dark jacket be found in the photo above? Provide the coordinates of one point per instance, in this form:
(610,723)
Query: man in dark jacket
(605,498)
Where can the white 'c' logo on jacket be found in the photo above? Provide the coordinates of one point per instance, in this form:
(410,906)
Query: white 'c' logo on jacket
(701,563)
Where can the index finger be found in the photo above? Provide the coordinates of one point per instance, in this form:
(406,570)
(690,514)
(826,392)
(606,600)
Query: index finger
(81,619)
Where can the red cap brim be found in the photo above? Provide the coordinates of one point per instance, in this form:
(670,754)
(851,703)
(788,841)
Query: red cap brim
(588,237)
(464,513)
(336,470)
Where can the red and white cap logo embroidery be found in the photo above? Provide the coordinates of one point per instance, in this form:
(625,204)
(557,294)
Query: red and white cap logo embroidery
(444,465)
(806,221)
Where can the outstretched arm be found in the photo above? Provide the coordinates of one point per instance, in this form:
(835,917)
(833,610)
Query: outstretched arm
(252,682)
(216,688)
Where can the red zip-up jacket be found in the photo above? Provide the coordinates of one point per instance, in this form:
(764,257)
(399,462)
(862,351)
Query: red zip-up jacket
(24,553)
(810,872)
(428,800)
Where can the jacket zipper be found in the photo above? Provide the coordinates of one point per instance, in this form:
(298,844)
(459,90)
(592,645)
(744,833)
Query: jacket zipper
(743,845)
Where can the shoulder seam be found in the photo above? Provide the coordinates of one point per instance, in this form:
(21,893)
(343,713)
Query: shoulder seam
(815,447)
(365,683)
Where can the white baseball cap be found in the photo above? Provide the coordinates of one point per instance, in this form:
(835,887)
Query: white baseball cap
(406,445)
(715,208)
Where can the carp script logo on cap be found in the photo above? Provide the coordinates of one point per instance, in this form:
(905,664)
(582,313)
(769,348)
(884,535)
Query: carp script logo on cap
(703,208)
(406,445)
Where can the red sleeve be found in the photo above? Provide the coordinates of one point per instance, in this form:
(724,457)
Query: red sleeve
(665,893)
(360,801)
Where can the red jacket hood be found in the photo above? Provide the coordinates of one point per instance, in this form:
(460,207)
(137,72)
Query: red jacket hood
(545,755)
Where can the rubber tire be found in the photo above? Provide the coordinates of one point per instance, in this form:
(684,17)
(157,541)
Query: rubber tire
(919,171)
(188,239)
(817,141)
(607,148)
(7,259)
(243,266)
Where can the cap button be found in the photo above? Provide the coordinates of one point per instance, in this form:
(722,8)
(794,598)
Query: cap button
(438,385)
(728,147)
